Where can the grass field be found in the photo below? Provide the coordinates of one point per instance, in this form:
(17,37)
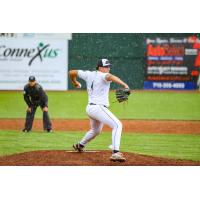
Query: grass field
(141,105)
(164,145)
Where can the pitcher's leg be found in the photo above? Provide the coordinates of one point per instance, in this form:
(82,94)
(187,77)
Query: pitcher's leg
(116,136)
(96,128)
(107,117)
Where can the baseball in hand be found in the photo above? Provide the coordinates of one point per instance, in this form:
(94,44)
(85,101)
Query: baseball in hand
(79,85)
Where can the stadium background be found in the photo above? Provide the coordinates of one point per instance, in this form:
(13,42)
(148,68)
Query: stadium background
(160,127)
(127,52)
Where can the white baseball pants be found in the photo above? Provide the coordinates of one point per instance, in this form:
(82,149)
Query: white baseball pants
(100,115)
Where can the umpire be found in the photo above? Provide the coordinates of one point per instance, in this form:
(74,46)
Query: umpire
(35,96)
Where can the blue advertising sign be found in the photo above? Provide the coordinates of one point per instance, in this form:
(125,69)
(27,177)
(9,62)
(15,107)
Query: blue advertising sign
(151,85)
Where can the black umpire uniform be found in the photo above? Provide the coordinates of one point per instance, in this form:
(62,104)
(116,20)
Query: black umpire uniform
(35,96)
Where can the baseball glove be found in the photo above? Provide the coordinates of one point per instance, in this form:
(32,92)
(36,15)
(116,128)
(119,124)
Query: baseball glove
(122,94)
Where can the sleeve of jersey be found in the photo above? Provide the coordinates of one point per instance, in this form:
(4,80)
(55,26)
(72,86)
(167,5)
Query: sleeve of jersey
(82,74)
(104,77)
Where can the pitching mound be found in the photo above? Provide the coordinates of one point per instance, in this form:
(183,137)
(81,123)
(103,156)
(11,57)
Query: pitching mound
(93,158)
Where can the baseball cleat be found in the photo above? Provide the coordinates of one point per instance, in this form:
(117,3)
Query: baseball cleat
(49,131)
(78,147)
(117,157)
(26,130)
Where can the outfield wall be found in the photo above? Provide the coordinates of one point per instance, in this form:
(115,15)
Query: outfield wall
(43,55)
(127,52)
(46,57)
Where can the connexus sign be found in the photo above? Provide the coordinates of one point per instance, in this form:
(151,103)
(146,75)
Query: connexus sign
(46,59)
(42,51)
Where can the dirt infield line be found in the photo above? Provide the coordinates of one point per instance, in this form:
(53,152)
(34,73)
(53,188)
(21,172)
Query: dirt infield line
(137,126)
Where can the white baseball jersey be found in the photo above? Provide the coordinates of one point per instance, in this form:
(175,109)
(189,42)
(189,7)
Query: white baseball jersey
(97,86)
(98,94)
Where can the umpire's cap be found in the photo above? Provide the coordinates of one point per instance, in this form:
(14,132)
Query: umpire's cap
(31,78)
(104,63)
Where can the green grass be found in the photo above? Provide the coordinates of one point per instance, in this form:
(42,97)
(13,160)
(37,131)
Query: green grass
(141,105)
(164,145)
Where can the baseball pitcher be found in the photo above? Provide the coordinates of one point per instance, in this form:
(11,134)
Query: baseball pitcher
(98,85)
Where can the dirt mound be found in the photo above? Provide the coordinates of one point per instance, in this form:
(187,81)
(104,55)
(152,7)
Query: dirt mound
(95,158)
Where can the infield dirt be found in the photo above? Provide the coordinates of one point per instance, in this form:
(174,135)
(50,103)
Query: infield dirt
(99,158)
(136,126)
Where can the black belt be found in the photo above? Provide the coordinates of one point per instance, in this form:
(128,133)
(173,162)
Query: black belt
(93,104)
